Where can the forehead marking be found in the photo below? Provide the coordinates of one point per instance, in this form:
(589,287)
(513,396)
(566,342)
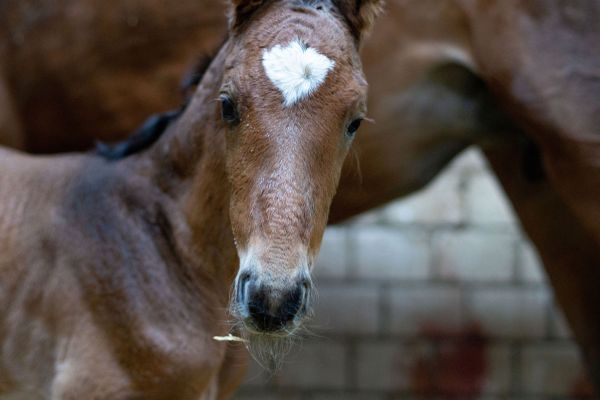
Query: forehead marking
(296,70)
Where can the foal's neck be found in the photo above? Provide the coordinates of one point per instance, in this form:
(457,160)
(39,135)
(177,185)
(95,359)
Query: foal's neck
(188,165)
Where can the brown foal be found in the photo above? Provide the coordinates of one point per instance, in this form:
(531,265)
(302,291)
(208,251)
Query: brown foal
(116,275)
(112,63)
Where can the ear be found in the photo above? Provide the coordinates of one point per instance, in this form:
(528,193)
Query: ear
(241,10)
(359,14)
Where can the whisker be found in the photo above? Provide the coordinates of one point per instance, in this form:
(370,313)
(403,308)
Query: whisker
(353,152)
(369,120)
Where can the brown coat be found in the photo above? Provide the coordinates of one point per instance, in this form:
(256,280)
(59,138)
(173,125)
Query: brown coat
(537,58)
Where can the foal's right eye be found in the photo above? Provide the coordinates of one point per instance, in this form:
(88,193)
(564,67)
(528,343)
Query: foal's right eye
(228,111)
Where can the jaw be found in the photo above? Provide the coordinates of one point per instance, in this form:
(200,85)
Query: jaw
(269,349)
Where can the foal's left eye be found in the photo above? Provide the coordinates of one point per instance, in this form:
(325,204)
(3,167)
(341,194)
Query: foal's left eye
(228,111)
(353,127)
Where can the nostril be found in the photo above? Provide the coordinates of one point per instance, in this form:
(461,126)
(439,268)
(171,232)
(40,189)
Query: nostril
(306,287)
(243,280)
(245,276)
(305,298)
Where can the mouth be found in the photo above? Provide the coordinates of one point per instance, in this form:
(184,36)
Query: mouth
(276,334)
(274,330)
(269,348)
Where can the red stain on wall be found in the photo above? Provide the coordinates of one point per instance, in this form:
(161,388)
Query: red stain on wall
(457,368)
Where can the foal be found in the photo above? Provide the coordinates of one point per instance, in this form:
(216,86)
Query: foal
(115,275)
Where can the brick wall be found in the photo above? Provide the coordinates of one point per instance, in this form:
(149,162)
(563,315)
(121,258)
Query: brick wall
(438,296)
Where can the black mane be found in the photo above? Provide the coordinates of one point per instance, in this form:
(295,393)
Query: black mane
(155,125)
(142,138)
(195,74)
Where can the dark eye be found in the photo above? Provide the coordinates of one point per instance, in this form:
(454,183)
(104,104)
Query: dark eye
(228,111)
(353,127)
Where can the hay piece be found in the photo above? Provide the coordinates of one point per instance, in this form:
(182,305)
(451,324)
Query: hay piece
(229,338)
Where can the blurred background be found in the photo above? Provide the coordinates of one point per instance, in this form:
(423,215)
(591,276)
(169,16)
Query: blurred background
(438,296)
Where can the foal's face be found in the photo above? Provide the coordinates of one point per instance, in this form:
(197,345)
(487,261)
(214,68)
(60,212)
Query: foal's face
(292,98)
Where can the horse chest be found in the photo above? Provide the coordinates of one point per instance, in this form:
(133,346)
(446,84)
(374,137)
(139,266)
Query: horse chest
(156,363)
(180,366)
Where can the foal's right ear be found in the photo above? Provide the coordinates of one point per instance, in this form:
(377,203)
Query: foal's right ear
(241,10)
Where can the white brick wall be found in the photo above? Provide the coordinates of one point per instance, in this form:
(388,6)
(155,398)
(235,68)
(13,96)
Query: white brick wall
(333,258)
(485,202)
(469,255)
(319,363)
(510,312)
(385,253)
(438,296)
(412,310)
(387,365)
(553,369)
(440,204)
(530,267)
(351,309)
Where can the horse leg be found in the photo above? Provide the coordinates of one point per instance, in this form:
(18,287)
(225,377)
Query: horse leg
(570,255)
(554,97)
(11,133)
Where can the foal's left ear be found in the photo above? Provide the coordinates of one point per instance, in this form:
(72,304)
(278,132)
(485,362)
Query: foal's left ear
(241,10)
(360,14)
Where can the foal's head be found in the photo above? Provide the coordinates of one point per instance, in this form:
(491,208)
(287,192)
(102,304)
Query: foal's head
(292,98)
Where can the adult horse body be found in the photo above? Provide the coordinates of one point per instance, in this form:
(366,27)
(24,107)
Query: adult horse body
(537,58)
(116,275)
(109,85)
